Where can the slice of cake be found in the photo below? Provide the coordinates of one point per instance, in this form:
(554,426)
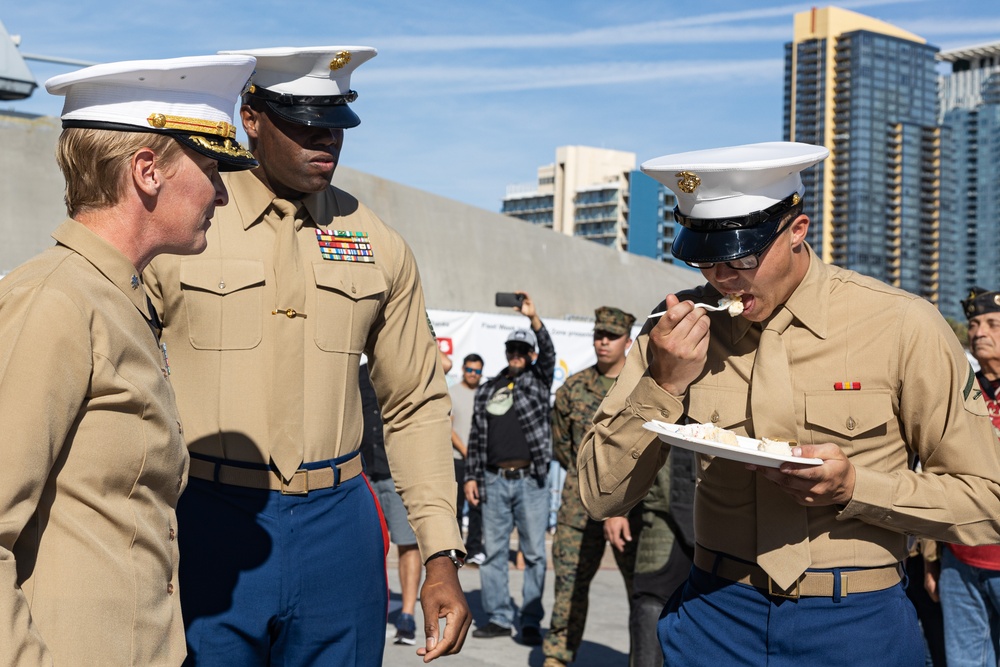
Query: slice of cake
(711,433)
(733,303)
(772,446)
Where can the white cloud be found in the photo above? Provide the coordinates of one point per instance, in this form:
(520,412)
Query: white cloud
(941,27)
(704,29)
(647,33)
(405,80)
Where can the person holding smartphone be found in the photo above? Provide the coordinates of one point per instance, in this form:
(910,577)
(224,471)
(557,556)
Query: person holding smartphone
(509,450)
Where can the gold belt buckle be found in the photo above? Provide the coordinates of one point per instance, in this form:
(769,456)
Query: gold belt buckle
(774,591)
(286,491)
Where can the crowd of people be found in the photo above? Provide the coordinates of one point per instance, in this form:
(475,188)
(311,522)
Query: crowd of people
(188,377)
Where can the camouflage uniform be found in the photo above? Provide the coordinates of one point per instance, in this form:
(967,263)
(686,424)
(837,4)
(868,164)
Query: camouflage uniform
(579,542)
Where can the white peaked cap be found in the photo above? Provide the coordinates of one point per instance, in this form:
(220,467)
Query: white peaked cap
(734,181)
(311,70)
(309,85)
(190,98)
(731,202)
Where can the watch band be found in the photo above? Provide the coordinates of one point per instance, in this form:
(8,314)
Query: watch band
(457,557)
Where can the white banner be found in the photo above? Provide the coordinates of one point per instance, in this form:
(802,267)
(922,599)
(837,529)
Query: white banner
(460,333)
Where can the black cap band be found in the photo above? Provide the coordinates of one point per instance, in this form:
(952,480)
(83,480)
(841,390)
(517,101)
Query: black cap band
(287,99)
(329,111)
(739,221)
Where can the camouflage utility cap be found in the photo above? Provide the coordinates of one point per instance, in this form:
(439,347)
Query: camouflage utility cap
(613,320)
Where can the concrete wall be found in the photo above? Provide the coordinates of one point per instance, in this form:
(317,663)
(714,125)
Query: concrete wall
(465,253)
(31,188)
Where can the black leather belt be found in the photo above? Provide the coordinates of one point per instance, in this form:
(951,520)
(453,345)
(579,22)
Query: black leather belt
(510,473)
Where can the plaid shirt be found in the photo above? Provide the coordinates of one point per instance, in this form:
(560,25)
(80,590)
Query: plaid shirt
(532,390)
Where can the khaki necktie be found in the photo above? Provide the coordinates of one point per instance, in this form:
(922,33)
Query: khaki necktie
(782,524)
(288,391)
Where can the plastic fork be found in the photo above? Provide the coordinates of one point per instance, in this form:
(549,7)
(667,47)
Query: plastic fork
(697,305)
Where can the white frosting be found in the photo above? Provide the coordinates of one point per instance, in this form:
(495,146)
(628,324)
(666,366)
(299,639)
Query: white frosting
(734,302)
(709,432)
(775,446)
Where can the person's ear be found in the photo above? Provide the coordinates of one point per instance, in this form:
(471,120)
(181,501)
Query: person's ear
(145,171)
(250,119)
(799,228)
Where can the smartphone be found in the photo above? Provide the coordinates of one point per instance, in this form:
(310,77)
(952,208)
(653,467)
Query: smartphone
(509,299)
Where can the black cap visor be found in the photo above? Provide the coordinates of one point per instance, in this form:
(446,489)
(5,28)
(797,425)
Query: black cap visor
(725,239)
(334,116)
(330,111)
(228,152)
(723,245)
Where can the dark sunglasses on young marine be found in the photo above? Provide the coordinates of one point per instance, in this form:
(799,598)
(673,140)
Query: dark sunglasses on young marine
(746,262)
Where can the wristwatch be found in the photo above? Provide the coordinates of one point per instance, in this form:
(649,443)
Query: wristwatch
(457,557)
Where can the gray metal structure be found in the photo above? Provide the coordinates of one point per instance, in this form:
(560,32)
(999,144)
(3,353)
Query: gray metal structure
(16,80)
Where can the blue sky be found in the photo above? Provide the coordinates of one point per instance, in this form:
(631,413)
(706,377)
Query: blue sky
(465,98)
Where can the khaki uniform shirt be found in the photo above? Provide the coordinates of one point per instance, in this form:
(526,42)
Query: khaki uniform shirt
(218,324)
(916,398)
(93,464)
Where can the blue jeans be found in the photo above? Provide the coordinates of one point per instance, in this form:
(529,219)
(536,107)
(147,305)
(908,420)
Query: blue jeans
(522,504)
(970,603)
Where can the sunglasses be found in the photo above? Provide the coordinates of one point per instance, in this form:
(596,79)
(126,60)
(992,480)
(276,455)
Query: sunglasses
(474,371)
(521,350)
(751,261)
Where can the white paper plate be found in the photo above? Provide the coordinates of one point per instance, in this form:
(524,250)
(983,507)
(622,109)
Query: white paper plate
(747,452)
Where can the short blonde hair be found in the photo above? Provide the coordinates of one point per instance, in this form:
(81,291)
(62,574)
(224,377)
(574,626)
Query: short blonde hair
(95,163)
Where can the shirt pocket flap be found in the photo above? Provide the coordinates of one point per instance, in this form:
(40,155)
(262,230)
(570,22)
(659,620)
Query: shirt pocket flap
(720,406)
(850,414)
(354,282)
(221,277)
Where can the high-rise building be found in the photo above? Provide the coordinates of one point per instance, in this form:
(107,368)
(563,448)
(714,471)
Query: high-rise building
(970,142)
(867,90)
(598,194)
(651,223)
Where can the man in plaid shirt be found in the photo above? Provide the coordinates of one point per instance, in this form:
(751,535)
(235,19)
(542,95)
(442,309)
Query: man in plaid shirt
(510,446)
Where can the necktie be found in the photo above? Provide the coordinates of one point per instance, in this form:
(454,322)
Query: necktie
(288,391)
(782,524)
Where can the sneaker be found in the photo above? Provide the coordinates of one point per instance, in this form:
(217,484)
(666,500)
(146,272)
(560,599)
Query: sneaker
(491,630)
(531,636)
(476,559)
(406,630)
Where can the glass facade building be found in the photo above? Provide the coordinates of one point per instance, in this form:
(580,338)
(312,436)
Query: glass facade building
(534,208)
(868,92)
(651,225)
(970,137)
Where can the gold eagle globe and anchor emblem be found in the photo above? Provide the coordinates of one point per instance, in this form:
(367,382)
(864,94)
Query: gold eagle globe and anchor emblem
(340,60)
(688,182)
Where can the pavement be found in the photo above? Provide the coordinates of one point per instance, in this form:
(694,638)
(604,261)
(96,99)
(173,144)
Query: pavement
(605,640)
